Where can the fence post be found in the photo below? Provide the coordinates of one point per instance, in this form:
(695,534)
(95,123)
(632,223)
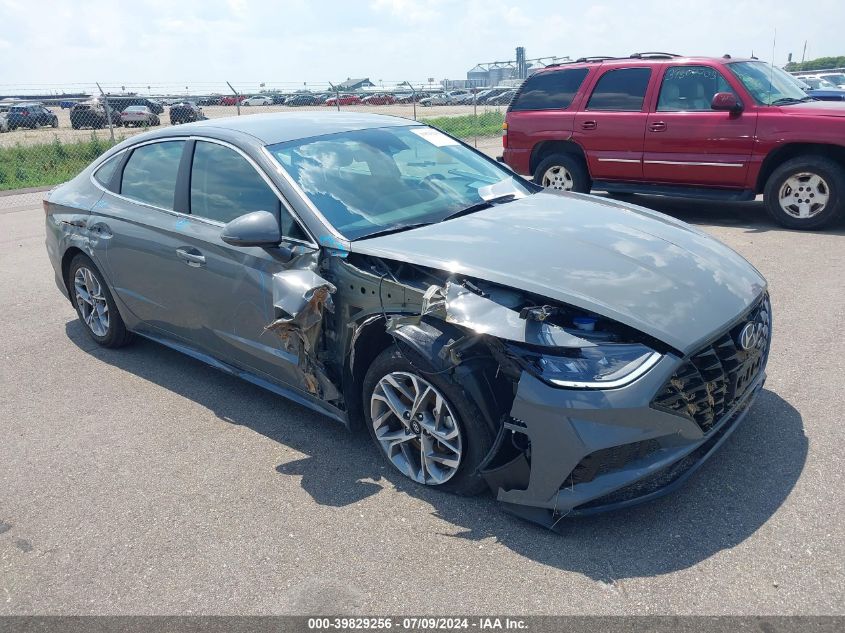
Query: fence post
(413,98)
(108,112)
(336,95)
(475,113)
(237,98)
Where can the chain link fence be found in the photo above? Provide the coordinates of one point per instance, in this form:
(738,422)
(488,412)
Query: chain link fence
(50,133)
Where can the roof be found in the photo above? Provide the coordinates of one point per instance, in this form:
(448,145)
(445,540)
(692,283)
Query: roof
(351,83)
(279,127)
(634,61)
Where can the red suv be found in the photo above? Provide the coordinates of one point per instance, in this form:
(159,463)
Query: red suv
(699,127)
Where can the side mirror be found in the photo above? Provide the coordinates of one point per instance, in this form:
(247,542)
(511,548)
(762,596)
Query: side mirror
(259,228)
(727,102)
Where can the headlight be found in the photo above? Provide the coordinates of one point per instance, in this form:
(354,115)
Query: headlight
(601,367)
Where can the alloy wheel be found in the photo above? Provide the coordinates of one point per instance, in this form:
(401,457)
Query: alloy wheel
(91,300)
(558,177)
(416,428)
(804,195)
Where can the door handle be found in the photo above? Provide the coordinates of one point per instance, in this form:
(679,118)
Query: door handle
(589,125)
(195,259)
(657,126)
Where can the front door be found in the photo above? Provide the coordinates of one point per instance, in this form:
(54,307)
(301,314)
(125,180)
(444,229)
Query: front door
(688,143)
(611,126)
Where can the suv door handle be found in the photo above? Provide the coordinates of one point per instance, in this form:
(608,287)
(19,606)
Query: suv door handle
(195,258)
(657,126)
(589,125)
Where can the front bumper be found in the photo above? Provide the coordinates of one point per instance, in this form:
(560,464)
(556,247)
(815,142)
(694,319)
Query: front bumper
(594,451)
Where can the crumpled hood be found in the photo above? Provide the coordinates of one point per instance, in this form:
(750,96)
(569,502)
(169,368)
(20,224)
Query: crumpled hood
(630,264)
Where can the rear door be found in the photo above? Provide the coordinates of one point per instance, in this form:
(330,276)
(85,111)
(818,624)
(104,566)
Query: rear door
(611,125)
(687,142)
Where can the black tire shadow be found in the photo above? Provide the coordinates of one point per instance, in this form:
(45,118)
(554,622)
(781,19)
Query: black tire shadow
(727,501)
(749,215)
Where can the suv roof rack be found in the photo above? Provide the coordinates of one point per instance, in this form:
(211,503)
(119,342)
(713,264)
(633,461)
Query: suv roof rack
(596,58)
(653,55)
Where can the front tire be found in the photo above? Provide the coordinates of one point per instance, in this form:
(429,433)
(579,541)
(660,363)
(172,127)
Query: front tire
(424,424)
(807,192)
(563,172)
(94,304)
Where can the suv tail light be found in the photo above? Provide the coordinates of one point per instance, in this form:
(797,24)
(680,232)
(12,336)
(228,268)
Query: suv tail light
(505,134)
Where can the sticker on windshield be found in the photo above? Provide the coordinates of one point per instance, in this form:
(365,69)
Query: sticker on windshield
(435,137)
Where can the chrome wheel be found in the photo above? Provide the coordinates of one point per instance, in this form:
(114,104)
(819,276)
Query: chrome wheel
(91,301)
(558,177)
(804,195)
(416,428)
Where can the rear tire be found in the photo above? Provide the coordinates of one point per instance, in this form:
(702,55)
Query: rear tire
(806,192)
(563,172)
(473,439)
(94,304)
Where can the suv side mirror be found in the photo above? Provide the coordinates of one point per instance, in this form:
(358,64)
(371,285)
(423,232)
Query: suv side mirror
(727,102)
(259,228)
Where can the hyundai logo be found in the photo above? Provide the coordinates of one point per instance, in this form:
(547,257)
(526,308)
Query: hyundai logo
(752,335)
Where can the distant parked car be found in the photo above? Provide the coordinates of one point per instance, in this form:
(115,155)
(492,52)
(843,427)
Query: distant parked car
(441,98)
(185,112)
(257,100)
(206,101)
(503,99)
(819,89)
(279,99)
(344,99)
(304,100)
(64,105)
(379,99)
(138,116)
(492,93)
(231,100)
(838,79)
(30,115)
(91,115)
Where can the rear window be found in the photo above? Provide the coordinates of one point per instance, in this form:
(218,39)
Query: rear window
(621,90)
(150,174)
(550,90)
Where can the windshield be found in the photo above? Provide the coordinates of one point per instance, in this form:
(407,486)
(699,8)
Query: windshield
(835,78)
(767,84)
(382,179)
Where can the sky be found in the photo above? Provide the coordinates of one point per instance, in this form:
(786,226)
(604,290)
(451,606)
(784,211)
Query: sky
(201,44)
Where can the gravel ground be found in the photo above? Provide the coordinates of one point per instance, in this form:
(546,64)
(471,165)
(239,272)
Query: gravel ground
(142,482)
(66,133)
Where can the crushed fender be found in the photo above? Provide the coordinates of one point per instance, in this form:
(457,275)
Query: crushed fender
(463,306)
(302,297)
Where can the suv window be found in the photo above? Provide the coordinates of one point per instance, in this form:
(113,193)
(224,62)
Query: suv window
(150,174)
(224,186)
(690,88)
(550,90)
(623,89)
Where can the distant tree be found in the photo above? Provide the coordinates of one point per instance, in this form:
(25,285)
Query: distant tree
(820,63)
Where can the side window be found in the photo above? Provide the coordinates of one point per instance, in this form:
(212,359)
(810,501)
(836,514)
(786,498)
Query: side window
(150,174)
(104,172)
(553,90)
(224,186)
(690,88)
(623,89)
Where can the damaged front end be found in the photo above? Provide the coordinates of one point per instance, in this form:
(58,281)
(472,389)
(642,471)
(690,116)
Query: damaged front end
(573,400)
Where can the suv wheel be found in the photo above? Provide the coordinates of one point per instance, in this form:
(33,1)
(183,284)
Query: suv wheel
(55,122)
(563,172)
(807,192)
(424,424)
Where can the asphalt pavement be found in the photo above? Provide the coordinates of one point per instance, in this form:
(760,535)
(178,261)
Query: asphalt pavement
(139,481)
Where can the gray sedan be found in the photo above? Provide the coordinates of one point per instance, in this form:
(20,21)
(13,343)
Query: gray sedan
(568,353)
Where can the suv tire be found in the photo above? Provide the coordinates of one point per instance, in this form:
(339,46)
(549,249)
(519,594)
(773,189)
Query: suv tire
(563,172)
(813,186)
(474,438)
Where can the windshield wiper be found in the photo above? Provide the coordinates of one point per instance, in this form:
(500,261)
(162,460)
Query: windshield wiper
(480,206)
(394,229)
(788,100)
